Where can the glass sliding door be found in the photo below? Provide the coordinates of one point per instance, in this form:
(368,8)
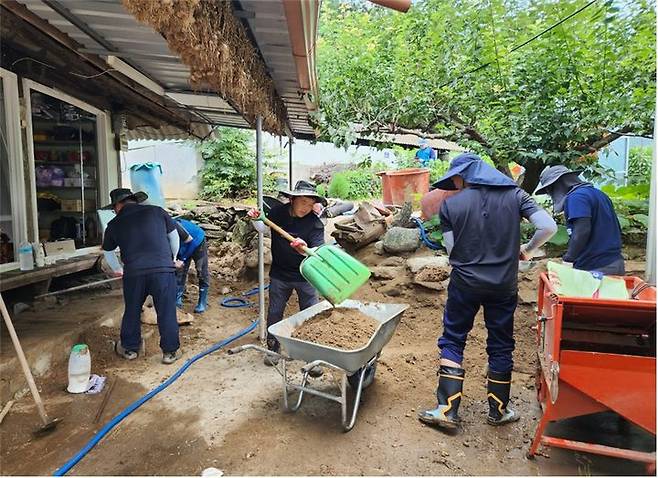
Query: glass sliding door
(66,172)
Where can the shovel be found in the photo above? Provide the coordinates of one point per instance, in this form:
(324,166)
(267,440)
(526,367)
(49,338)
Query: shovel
(47,423)
(334,273)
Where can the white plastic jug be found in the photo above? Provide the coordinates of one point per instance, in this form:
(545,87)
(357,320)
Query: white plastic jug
(79,369)
(25,256)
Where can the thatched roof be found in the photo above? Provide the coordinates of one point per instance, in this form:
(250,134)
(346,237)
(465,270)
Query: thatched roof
(216,47)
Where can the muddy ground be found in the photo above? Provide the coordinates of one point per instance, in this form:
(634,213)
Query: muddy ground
(225,411)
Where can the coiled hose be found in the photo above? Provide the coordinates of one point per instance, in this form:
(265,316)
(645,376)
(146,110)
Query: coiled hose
(234,302)
(139,402)
(423,235)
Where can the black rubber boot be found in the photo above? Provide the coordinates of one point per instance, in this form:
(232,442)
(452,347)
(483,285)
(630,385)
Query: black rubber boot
(449,396)
(498,391)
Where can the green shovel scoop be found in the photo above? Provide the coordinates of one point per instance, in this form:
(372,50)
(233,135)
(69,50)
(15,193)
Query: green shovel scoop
(333,272)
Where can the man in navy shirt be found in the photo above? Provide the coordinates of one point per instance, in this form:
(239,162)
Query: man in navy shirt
(297,218)
(148,241)
(592,224)
(193,247)
(481,232)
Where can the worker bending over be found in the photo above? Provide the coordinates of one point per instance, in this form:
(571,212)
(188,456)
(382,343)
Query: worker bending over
(298,219)
(592,224)
(147,238)
(193,247)
(481,231)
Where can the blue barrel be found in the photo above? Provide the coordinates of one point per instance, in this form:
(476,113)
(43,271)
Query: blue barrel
(147,177)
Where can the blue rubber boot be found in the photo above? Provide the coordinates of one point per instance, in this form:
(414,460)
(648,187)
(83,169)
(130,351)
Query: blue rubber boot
(179,297)
(203,301)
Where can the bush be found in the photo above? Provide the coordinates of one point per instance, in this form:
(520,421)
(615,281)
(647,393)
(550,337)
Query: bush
(639,164)
(355,184)
(229,169)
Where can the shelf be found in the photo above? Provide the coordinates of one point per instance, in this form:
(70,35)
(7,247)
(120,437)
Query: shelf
(66,187)
(62,163)
(92,144)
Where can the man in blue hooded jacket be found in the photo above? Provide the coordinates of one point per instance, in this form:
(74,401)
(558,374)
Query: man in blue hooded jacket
(481,231)
(193,246)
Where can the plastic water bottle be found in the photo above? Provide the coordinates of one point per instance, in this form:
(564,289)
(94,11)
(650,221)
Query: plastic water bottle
(25,256)
(79,369)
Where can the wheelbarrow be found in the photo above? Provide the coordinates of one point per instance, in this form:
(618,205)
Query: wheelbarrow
(357,367)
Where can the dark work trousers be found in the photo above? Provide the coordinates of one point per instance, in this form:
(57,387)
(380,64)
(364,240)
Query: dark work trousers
(162,287)
(458,317)
(280,292)
(200,257)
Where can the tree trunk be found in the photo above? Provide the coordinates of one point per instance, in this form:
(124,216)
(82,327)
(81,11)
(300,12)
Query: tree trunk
(533,168)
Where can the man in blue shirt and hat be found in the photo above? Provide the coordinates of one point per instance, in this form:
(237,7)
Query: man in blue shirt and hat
(193,247)
(481,231)
(425,155)
(592,224)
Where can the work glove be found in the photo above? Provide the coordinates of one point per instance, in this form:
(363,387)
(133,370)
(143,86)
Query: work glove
(299,245)
(255,214)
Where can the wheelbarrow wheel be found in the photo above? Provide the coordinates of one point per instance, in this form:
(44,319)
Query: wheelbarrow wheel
(368,378)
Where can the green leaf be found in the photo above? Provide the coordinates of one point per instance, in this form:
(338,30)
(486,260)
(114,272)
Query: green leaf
(561,237)
(642,219)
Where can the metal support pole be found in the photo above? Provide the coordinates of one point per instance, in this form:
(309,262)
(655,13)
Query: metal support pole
(651,236)
(290,142)
(261,254)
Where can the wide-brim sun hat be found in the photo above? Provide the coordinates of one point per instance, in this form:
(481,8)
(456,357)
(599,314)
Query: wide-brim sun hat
(124,194)
(550,175)
(305,188)
(457,166)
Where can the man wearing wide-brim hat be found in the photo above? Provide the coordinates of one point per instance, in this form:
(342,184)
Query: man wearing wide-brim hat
(481,232)
(299,219)
(148,240)
(592,224)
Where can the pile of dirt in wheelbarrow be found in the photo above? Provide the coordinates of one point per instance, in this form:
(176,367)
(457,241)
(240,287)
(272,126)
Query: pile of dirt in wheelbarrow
(342,328)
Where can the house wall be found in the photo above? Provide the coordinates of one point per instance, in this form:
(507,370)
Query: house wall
(180,163)
(615,156)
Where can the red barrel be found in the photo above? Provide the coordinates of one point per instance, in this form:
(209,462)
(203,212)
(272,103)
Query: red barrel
(400,186)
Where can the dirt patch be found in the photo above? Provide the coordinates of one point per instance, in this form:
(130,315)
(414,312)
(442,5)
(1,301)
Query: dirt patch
(346,329)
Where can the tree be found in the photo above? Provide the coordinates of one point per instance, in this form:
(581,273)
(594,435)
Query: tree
(465,71)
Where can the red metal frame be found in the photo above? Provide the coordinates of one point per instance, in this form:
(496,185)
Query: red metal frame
(572,382)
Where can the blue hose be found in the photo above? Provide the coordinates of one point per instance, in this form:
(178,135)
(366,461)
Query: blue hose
(234,302)
(139,402)
(423,235)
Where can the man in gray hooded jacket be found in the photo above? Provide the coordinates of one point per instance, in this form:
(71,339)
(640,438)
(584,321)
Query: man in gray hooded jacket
(481,231)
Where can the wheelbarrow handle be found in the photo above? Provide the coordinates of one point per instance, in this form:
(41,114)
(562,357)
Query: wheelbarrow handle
(285,235)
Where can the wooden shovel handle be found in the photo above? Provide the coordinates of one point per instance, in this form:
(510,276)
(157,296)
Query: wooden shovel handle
(23,361)
(283,233)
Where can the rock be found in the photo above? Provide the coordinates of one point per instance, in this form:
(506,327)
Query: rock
(432,285)
(251,258)
(225,290)
(399,239)
(391,290)
(218,235)
(415,264)
(432,274)
(386,272)
(393,261)
(150,317)
(243,232)
(527,296)
(210,227)
(379,247)
(204,210)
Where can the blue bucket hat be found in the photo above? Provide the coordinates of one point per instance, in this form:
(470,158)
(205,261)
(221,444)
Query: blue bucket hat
(474,171)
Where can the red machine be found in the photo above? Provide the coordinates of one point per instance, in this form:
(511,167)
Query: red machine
(597,355)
